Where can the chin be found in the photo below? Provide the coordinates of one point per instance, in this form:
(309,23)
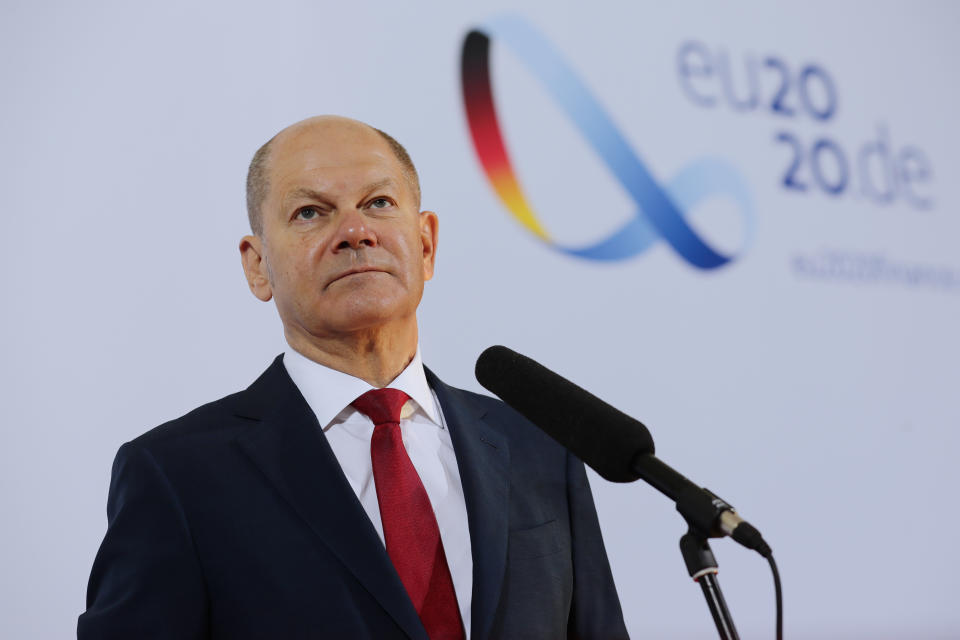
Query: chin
(365,317)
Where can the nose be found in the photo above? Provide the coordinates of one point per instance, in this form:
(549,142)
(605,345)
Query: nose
(354,232)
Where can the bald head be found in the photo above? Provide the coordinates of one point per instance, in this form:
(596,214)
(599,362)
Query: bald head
(317,130)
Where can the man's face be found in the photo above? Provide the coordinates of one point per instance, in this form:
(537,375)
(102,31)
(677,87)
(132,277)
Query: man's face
(344,249)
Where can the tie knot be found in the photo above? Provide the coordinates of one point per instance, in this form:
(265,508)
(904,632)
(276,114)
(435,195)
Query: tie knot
(381,405)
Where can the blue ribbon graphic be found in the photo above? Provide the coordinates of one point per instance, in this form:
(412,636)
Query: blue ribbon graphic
(660,209)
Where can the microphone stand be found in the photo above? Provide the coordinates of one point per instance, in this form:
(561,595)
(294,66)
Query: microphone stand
(701,509)
(702,567)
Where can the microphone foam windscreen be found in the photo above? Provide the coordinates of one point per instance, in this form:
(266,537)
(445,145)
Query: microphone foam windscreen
(602,436)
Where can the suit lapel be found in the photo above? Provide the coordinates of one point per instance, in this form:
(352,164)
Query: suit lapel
(290,450)
(483,457)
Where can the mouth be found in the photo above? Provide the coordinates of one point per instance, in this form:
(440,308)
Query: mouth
(353,272)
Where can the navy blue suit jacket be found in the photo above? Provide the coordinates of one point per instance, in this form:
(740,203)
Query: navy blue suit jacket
(236,521)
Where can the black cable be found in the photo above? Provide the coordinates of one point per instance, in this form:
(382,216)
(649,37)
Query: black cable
(776,586)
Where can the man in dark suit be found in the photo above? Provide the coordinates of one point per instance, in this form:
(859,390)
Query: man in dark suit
(261,515)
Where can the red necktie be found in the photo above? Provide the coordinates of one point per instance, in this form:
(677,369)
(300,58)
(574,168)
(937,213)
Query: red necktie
(409,526)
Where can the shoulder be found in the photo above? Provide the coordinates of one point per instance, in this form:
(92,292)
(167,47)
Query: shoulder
(477,405)
(468,405)
(203,421)
(219,420)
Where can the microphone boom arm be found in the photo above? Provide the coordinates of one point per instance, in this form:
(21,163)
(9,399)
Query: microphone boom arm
(703,510)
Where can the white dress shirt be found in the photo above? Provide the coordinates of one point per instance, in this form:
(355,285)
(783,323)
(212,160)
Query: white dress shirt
(425,437)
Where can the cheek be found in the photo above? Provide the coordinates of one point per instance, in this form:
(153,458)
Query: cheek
(294,266)
(409,252)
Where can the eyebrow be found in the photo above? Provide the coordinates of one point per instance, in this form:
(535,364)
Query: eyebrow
(379,184)
(313,194)
(303,193)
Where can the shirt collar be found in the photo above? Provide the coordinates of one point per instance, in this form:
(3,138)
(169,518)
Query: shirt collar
(329,392)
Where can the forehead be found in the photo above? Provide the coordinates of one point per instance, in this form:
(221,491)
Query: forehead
(337,157)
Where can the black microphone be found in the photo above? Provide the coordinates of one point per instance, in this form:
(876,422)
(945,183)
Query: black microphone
(612,443)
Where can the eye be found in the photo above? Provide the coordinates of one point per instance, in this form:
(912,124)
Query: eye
(380,203)
(307,213)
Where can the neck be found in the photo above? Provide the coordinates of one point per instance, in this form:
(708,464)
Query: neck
(378,358)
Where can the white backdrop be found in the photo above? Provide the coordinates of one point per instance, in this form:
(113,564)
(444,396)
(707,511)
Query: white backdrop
(812,381)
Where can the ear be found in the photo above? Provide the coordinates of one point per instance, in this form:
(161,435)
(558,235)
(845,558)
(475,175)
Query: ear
(255,267)
(428,241)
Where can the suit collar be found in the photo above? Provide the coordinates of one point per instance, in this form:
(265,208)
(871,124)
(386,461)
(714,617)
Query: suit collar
(483,457)
(290,450)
